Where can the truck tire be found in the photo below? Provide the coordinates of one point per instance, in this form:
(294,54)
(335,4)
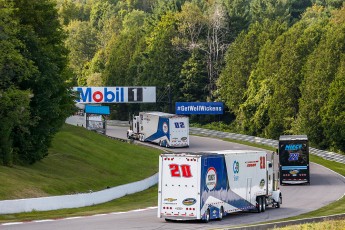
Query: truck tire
(263,204)
(259,204)
(207,217)
(280,201)
(221,213)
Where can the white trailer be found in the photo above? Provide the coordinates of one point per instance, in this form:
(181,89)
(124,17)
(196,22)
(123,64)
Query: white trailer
(209,185)
(164,129)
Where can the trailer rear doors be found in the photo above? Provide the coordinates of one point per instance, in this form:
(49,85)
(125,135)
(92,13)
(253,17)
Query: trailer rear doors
(179,186)
(294,159)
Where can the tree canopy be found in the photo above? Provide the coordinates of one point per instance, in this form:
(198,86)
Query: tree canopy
(278,66)
(35,99)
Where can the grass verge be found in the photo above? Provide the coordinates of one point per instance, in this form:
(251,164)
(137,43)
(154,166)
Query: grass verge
(329,225)
(79,161)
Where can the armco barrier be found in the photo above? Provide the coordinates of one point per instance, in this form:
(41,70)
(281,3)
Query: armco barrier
(75,201)
(269,142)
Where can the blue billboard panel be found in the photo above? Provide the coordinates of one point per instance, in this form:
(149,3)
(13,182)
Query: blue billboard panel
(199,107)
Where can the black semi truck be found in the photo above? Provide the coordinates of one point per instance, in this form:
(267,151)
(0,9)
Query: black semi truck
(294,165)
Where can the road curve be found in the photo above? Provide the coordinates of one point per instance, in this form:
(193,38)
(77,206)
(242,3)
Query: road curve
(326,187)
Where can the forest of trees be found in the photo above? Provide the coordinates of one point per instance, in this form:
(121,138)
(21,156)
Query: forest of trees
(278,66)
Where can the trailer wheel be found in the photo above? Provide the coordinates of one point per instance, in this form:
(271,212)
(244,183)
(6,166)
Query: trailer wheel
(263,204)
(207,217)
(259,204)
(280,201)
(221,213)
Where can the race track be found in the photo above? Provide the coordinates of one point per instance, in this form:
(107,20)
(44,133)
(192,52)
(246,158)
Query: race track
(326,187)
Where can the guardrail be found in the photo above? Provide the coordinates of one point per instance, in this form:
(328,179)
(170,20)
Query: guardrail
(331,156)
(252,139)
(76,200)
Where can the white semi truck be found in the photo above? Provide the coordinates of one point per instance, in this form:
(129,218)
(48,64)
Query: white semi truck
(164,129)
(209,185)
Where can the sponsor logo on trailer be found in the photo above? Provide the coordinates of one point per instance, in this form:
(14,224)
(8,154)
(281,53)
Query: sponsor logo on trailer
(293,157)
(294,172)
(293,147)
(170,199)
(251,163)
(236,169)
(211,178)
(189,201)
(165,127)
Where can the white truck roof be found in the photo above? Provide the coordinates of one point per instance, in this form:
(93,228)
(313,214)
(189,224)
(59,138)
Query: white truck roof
(162,114)
(226,152)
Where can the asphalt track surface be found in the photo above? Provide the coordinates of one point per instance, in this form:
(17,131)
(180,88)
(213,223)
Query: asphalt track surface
(326,187)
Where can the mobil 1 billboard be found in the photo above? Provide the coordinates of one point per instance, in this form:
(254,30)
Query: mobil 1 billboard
(116,94)
(199,107)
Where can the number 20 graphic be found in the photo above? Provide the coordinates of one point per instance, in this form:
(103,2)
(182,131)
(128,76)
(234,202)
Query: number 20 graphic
(176,170)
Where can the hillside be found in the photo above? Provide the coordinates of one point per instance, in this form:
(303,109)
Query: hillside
(79,161)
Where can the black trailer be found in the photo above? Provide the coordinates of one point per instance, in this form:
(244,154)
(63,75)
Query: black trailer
(293,153)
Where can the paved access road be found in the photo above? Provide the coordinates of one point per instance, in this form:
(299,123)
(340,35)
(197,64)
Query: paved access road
(326,187)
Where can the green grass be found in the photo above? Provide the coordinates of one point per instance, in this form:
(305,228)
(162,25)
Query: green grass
(329,225)
(79,161)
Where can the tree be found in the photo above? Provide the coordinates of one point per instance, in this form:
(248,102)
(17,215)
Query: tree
(193,77)
(162,62)
(72,11)
(239,81)
(319,73)
(270,9)
(191,26)
(122,49)
(82,43)
(216,45)
(333,113)
(51,102)
(14,69)
(294,47)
